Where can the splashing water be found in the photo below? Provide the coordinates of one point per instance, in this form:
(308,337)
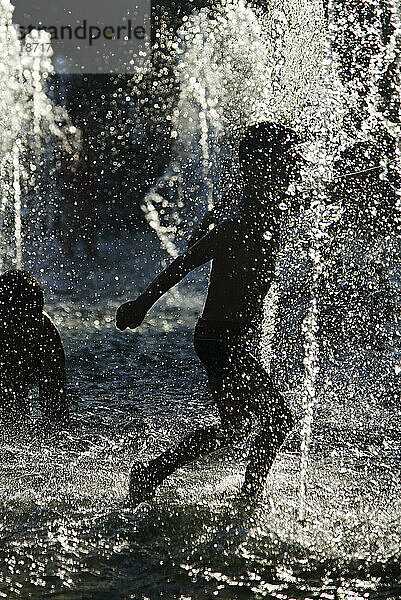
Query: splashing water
(214,103)
(29,122)
(65,529)
(286,81)
(294,77)
(222,91)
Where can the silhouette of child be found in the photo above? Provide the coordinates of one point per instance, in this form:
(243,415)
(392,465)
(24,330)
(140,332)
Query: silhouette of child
(31,351)
(243,248)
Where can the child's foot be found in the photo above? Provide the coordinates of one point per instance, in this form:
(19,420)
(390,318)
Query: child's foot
(143,484)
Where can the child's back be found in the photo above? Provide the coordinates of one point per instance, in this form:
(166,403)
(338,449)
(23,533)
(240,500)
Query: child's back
(242,271)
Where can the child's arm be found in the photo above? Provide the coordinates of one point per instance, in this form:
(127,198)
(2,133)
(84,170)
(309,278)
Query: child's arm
(131,314)
(52,383)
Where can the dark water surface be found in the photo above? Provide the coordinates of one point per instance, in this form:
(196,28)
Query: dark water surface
(66,531)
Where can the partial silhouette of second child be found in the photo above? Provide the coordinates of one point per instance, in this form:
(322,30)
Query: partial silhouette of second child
(31,352)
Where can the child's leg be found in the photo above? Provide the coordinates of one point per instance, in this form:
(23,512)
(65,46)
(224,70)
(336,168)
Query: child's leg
(264,449)
(234,424)
(55,407)
(205,440)
(275,422)
(235,418)
(146,478)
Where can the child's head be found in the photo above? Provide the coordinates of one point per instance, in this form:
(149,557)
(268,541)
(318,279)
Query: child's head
(267,156)
(21,300)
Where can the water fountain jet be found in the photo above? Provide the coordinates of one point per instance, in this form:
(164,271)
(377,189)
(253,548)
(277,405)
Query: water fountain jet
(30,123)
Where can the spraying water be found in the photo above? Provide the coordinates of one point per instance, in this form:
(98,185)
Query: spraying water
(222,91)
(65,527)
(294,78)
(29,122)
(286,81)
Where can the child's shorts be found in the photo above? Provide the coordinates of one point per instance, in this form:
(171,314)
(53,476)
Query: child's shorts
(225,350)
(220,345)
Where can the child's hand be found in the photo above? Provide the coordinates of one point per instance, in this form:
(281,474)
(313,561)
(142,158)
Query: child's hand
(131,314)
